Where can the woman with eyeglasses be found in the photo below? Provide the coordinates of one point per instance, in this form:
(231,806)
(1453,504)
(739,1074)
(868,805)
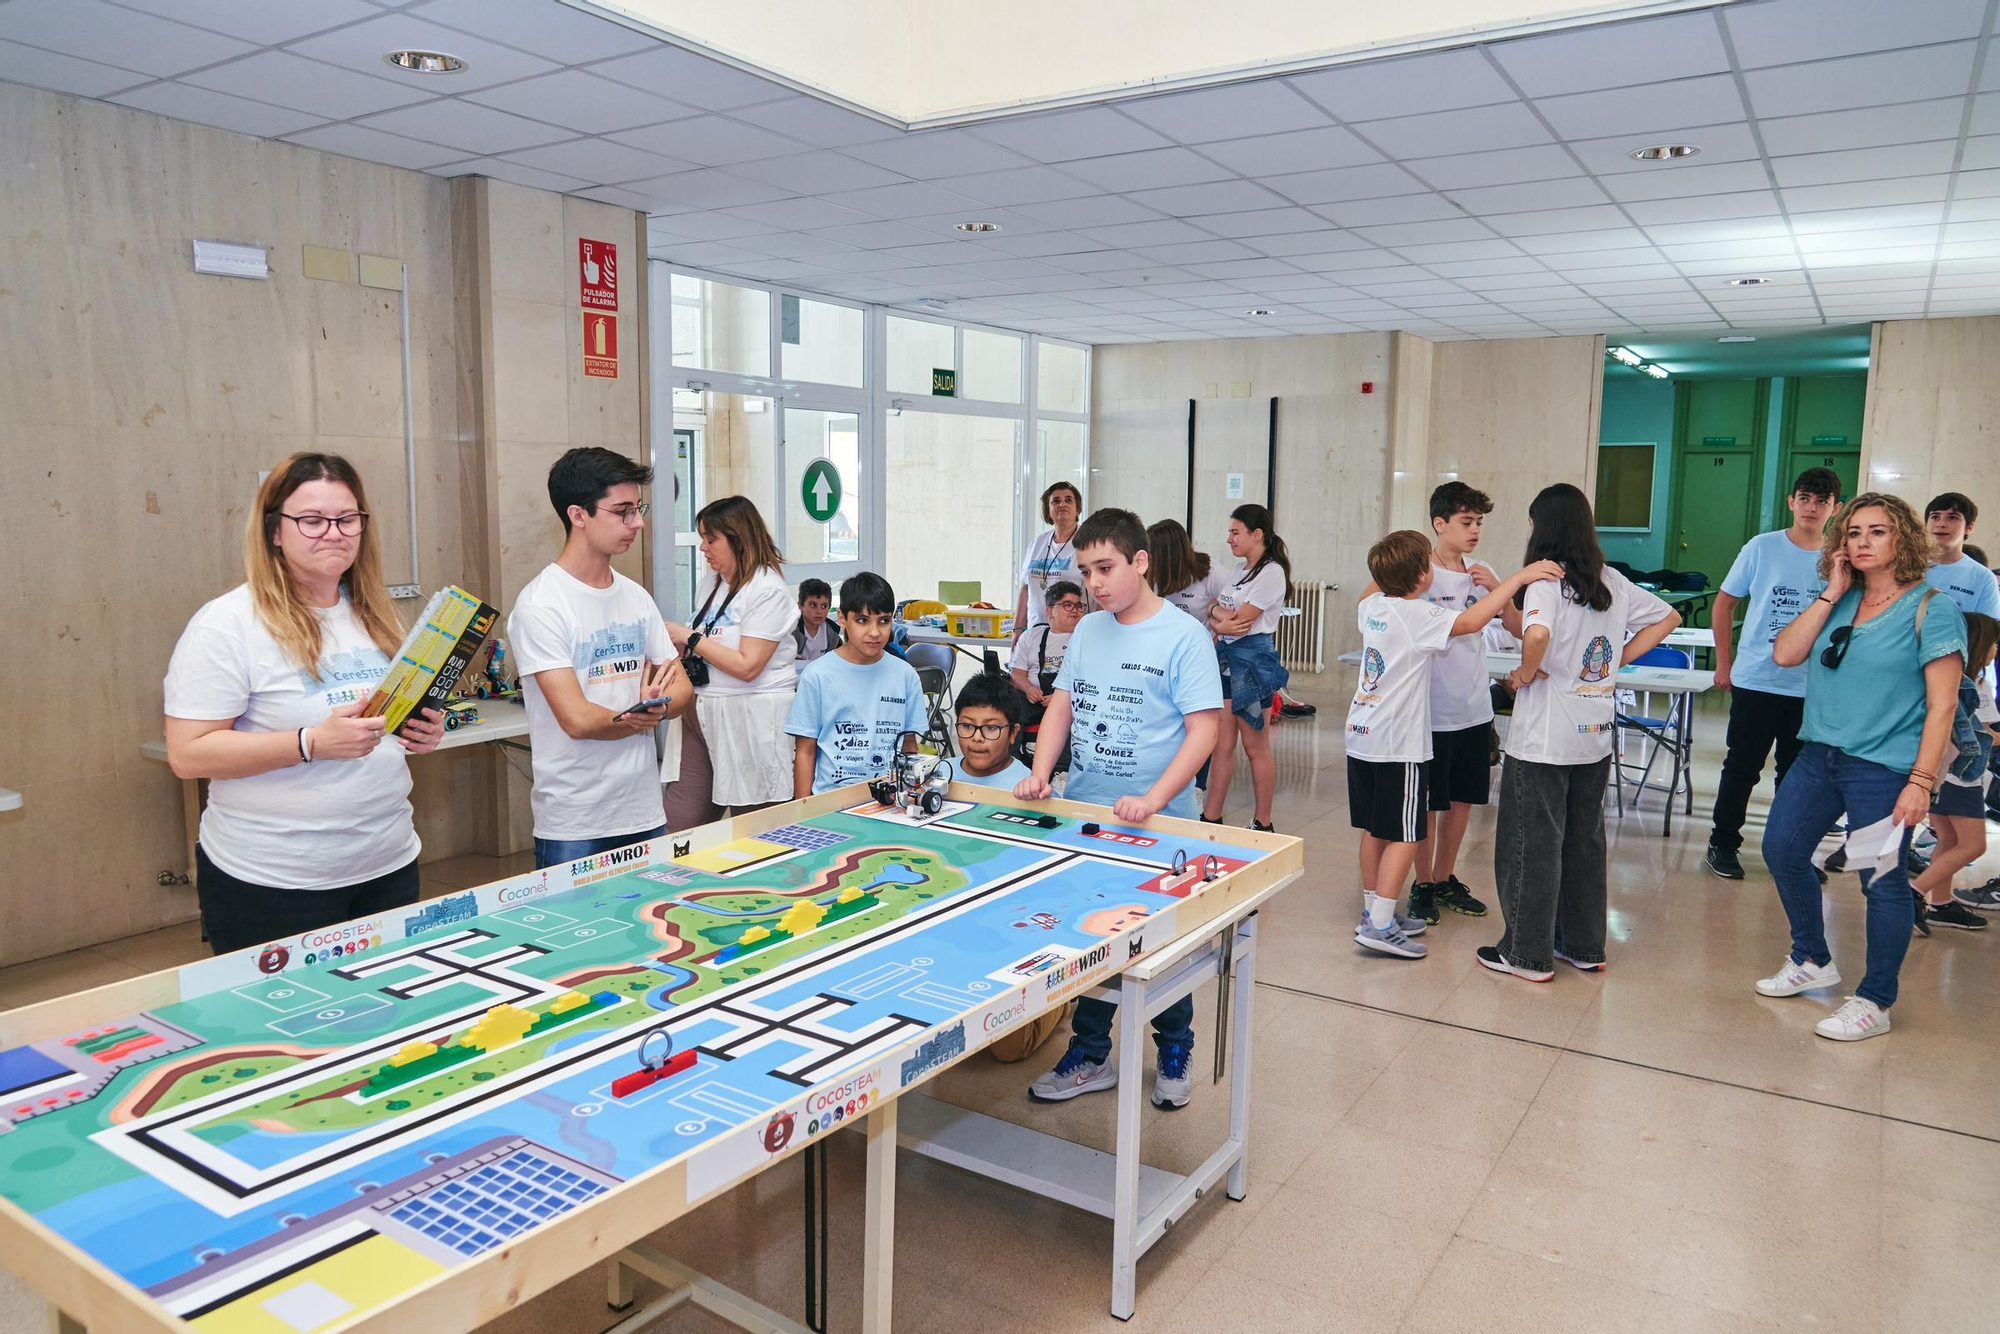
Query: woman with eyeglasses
(733,752)
(1051,556)
(1883,659)
(308,820)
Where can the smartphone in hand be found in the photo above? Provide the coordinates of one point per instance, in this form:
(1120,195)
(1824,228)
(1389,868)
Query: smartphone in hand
(642,706)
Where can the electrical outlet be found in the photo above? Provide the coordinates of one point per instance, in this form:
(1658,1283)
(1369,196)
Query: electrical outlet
(405,591)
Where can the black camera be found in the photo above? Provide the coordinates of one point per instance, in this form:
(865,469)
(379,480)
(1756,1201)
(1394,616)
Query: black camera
(696,668)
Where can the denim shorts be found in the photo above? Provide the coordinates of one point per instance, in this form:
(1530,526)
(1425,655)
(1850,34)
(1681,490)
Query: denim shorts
(1958,799)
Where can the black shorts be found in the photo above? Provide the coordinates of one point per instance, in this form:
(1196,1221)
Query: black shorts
(1461,768)
(1387,798)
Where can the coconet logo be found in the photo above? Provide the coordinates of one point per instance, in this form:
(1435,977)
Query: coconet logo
(996,1020)
(515,893)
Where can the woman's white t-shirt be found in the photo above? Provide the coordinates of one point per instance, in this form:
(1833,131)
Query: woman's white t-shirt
(1567,718)
(1049,561)
(1265,590)
(324,825)
(1199,596)
(762,609)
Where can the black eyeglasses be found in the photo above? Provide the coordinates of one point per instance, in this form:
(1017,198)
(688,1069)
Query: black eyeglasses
(629,513)
(990,731)
(315,525)
(1843,635)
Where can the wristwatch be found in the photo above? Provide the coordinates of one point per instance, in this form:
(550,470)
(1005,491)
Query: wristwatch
(687,649)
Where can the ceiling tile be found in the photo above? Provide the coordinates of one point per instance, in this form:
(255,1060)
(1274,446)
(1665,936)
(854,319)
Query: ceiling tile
(1094,211)
(904,200)
(624,198)
(876,235)
(283,79)
(1977,185)
(1830,242)
(1346,183)
(1569,193)
(1684,180)
(1614,55)
(1349,261)
(711,255)
(565,35)
(799,214)
(1578,263)
(1228,111)
(1464,171)
(1743,204)
(63,74)
(1019,185)
(1981,153)
(1431,253)
(1794,30)
(204,107)
(465,125)
(1718,143)
(1455,132)
(1985,114)
(581,101)
(709,225)
(817,172)
(1215,197)
(1540,222)
(1154,169)
(670,71)
(1323,241)
(811,121)
(500,169)
(845,261)
(374,146)
(1427,233)
(1570,243)
(713,141)
(1263,222)
(1299,150)
(1131,235)
(1411,85)
(1247,270)
(1064,135)
(1858,81)
(934,153)
(1400,208)
(121,38)
(1864,194)
(1728,229)
(704,189)
(1865,164)
(1928,214)
(1201,252)
(360,48)
(1486,268)
(1760,248)
(597,160)
(258,21)
(1831,131)
(946,224)
(1645,109)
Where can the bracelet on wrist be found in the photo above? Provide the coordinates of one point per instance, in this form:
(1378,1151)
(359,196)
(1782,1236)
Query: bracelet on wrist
(305,746)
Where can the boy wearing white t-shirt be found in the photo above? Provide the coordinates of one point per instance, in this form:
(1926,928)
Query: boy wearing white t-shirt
(1389,725)
(591,648)
(1038,653)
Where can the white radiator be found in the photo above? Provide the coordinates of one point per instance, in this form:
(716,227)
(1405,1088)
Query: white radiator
(1302,636)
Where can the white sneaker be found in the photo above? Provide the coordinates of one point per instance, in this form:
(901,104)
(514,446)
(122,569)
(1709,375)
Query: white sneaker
(1795,977)
(1074,1075)
(1859,1018)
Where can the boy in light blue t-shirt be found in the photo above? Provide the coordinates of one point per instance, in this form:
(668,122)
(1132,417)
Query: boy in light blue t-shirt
(1777,574)
(859,704)
(1969,583)
(1138,703)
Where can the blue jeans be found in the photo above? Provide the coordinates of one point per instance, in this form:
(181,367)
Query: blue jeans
(1090,1026)
(1822,784)
(550,851)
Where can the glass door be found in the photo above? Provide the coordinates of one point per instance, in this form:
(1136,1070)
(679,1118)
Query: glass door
(824,493)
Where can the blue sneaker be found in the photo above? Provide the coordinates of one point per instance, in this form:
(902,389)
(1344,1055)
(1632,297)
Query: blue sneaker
(1075,1074)
(1172,1083)
(1390,939)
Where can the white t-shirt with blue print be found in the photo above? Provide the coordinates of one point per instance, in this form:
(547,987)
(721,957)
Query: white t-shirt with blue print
(323,825)
(1969,584)
(589,789)
(856,714)
(1780,579)
(1131,688)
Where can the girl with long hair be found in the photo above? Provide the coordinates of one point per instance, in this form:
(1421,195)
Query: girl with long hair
(1548,854)
(1179,573)
(738,650)
(1243,620)
(308,820)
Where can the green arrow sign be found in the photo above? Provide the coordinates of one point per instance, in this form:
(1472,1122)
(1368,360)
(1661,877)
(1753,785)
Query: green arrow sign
(820,490)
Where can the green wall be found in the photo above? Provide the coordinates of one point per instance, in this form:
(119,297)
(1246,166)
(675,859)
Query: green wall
(1638,409)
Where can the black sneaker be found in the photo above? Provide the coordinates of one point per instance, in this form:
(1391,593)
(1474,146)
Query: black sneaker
(1263,828)
(1821,873)
(1423,903)
(1916,863)
(1954,913)
(1453,894)
(1922,919)
(1837,859)
(1723,862)
(1986,898)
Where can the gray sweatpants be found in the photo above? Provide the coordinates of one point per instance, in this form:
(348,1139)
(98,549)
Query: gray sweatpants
(1548,861)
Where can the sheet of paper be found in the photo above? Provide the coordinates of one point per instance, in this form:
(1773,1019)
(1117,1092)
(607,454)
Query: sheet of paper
(1877,847)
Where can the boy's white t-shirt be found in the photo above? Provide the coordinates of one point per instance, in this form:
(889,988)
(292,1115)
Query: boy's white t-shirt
(1032,652)
(324,825)
(1389,721)
(1460,695)
(1199,596)
(589,789)
(816,644)
(762,609)
(1266,590)
(1567,718)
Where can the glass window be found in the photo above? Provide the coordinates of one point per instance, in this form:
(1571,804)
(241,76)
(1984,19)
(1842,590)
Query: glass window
(992,367)
(1060,455)
(832,534)
(916,348)
(1061,378)
(1624,486)
(951,503)
(820,341)
(721,327)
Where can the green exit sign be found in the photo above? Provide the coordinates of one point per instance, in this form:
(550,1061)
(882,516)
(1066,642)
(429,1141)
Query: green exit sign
(944,383)
(1829,440)
(1718,440)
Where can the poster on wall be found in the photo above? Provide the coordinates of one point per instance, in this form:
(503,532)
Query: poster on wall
(600,345)
(596,274)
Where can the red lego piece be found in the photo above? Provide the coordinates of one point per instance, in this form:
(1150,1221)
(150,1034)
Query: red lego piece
(626,1085)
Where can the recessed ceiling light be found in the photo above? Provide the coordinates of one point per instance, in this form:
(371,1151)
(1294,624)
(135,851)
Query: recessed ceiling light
(1625,355)
(1259,310)
(424,62)
(1737,338)
(979,228)
(1657,372)
(933,302)
(1748,282)
(1665,152)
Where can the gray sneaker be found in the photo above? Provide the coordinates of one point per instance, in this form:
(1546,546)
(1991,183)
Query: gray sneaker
(1412,926)
(1985,898)
(1390,939)
(1075,1074)
(1171,1082)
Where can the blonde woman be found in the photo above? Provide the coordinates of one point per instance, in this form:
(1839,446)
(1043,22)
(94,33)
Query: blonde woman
(1883,656)
(740,655)
(308,820)
(1051,556)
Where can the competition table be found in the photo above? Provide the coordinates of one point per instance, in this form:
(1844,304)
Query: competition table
(416,1122)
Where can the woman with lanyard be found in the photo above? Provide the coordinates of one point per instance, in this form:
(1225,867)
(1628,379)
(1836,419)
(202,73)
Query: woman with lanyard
(308,820)
(1051,556)
(1243,620)
(1883,660)
(733,752)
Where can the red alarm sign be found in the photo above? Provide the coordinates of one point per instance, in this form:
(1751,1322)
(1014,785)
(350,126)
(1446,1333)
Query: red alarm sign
(596,274)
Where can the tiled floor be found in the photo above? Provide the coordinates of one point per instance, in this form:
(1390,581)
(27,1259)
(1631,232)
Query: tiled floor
(1438,1148)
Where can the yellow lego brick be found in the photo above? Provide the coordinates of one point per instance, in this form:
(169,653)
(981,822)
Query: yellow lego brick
(754,934)
(415,1051)
(568,1001)
(801,918)
(848,895)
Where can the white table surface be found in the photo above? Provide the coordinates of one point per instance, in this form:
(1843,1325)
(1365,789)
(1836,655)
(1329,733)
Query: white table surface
(1666,680)
(10,800)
